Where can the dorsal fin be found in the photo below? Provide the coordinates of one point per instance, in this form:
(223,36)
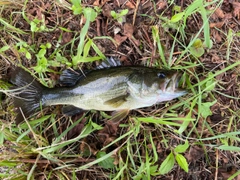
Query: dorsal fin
(70,77)
(109,62)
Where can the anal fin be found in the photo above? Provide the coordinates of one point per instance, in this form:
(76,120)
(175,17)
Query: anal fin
(71,110)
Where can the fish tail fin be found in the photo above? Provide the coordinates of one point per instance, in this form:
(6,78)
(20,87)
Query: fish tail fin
(28,94)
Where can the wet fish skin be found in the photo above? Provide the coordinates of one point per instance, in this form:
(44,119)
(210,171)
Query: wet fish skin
(110,89)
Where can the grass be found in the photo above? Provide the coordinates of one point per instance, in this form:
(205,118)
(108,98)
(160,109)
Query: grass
(151,143)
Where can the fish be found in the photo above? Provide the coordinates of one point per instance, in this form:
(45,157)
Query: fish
(110,87)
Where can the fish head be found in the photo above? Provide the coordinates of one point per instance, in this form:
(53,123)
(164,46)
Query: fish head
(163,85)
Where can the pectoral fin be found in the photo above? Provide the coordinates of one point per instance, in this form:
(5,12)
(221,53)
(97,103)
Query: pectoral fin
(117,116)
(118,101)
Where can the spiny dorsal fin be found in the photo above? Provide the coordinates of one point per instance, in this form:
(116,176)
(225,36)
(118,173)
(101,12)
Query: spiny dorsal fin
(110,62)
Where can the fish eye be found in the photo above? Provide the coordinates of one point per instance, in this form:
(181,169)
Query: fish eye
(161,75)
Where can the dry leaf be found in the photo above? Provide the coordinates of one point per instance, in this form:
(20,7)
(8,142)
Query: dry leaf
(74,132)
(216,59)
(106,10)
(228,16)
(226,173)
(223,158)
(128,30)
(96,3)
(194,154)
(119,39)
(217,25)
(130,5)
(66,37)
(236,12)
(147,4)
(109,132)
(219,13)
(216,36)
(161,5)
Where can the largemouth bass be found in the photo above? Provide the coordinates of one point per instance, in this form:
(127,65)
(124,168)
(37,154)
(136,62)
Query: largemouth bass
(106,89)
